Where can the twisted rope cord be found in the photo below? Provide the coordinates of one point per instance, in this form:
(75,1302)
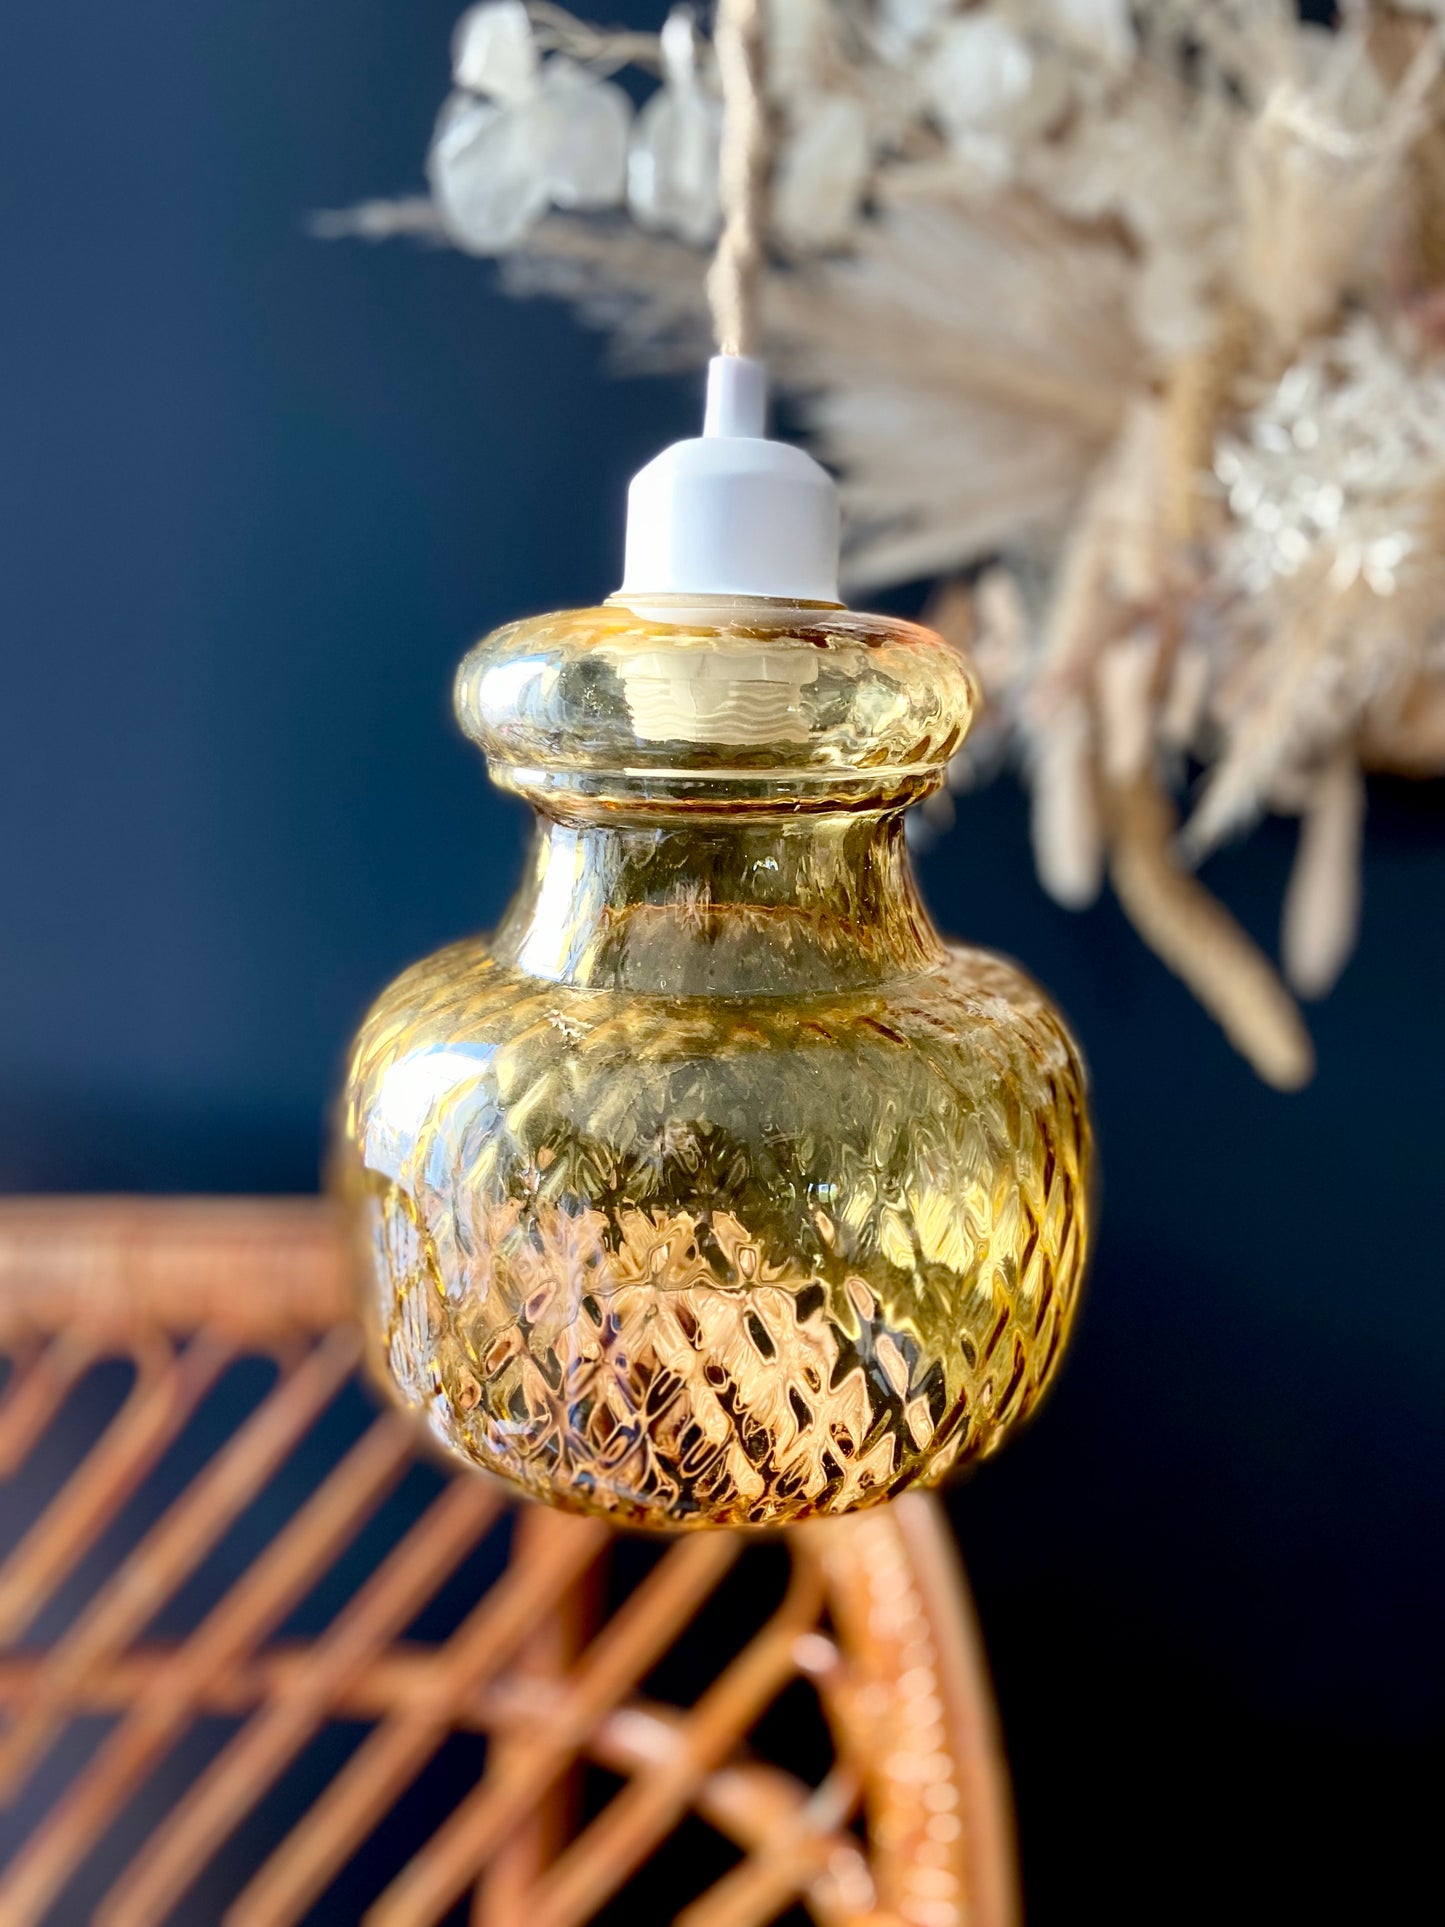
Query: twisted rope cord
(732,282)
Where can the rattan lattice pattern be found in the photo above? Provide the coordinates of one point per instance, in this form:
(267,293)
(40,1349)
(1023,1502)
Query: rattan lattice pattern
(907,1826)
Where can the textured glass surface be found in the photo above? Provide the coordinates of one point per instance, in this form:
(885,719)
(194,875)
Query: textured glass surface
(716,1190)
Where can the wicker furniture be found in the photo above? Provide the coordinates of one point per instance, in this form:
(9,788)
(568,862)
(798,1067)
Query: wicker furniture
(179,1370)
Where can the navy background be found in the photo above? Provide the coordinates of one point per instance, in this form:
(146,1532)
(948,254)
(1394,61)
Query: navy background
(256,496)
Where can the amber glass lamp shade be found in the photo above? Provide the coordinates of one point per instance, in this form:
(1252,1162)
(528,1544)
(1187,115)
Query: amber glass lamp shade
(715,1189)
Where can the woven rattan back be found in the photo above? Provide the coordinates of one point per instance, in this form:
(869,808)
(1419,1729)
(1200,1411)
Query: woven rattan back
(180,1382)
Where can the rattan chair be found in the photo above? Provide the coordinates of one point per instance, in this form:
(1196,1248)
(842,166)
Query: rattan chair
(125,1486)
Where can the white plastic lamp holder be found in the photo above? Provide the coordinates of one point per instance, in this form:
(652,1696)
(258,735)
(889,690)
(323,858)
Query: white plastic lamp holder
(733,513)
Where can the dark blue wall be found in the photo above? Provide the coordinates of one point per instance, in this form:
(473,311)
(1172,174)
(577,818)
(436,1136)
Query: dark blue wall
(256,495)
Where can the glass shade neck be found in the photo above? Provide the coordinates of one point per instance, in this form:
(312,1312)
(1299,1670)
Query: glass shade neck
(717,908)
(720,786)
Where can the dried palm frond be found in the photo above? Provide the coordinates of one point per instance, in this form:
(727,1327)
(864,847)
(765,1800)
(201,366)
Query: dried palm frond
(957,426)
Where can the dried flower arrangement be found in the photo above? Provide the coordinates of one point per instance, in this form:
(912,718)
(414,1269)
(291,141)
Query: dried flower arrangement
(1133,310)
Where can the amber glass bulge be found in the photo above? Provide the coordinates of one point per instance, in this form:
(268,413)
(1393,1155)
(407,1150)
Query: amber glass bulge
(715,1189)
